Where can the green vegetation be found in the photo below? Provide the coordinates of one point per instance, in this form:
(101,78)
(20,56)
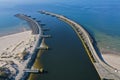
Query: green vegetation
(4,73)
(24,53)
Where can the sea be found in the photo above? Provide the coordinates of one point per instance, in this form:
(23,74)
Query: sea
(100,17)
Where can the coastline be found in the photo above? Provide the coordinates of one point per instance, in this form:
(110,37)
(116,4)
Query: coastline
(108,52)
(13,32)
(111,57)
(13,38)
(109,48)
(16,51)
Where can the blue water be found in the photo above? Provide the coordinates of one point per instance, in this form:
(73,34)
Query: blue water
(101,15)
(97,16)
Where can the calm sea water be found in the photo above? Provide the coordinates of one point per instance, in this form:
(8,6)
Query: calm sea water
(101,16)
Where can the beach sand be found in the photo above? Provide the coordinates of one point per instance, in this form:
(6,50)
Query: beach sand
(109,47)
(13,39)
(14,44)
(111,57)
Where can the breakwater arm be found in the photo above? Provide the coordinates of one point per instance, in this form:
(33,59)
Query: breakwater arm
(105,71)
(35,27)
(37,32)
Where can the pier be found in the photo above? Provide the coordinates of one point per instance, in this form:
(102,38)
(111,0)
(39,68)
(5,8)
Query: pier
(37,31)
(43,46)
(45,36)
(34,70)
(105,71)
(31,70)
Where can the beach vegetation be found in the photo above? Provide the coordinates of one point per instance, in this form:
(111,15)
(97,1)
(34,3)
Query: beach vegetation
(4,73)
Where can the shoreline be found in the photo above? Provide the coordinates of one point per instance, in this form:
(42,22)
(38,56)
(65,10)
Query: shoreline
(111,57)
(20,51)
(11,52)
(13,32)
(36,32)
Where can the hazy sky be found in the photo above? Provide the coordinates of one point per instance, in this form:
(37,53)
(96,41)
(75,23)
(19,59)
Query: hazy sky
(25,1)
(13,3)
(21,1)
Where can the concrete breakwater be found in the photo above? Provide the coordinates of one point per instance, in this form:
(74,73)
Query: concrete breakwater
(105,71)
(37,31)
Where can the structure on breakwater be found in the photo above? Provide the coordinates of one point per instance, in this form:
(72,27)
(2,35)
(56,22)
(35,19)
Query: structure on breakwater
(43,46)
(31,70)
(105,71)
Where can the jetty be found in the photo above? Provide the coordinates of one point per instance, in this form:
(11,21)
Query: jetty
(45,36)
(105,71)
(31,70)
(37,31)
(34,25)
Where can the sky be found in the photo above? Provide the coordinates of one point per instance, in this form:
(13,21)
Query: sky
(25,1)
(16,2)
(12,3)
(22,1)
(8,4)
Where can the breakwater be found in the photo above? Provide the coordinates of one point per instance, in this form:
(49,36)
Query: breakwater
(37,31)
(105,71)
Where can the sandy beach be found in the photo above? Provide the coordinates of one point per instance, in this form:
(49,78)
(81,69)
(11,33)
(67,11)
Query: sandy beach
(111,57)
(109,47)
(13,39)
(11,52)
